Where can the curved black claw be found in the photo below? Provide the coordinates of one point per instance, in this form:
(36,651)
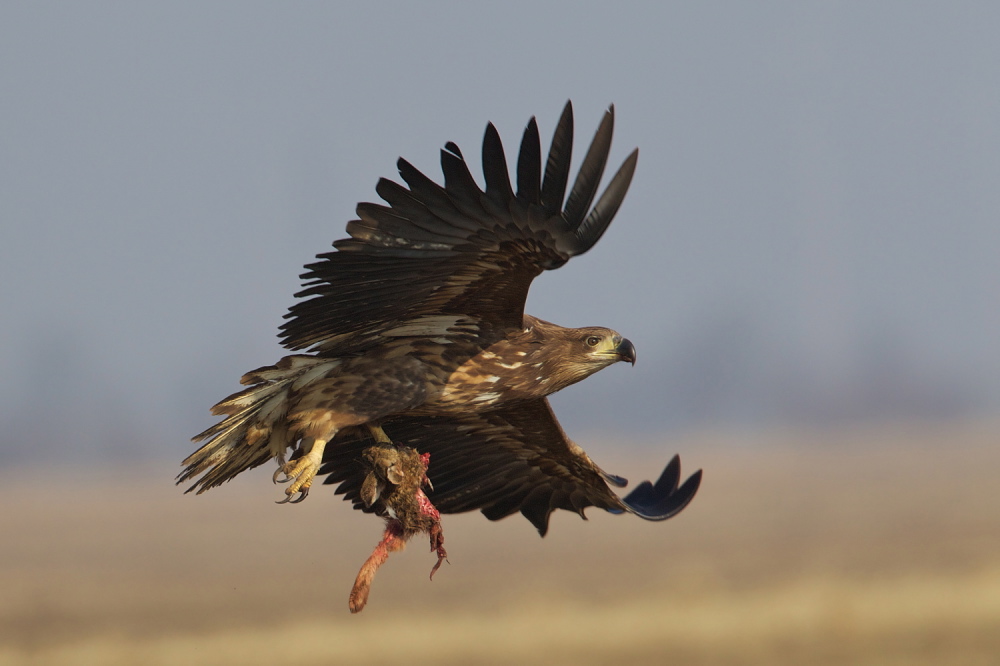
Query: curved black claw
(275,479)
(302,494)
(663,499)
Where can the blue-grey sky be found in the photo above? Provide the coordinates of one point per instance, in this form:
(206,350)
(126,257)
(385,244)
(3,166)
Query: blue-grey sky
(812,234)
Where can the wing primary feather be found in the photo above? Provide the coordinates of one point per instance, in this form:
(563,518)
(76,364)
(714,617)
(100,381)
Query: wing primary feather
(557,164)
(664,499)
(591,230)
(457,176)
(669,478)
(529,165)
(495,167)
(421,186)
(613,479)
(536,508)
(404,204)
(434,197)
(459,183)
(589,177)
(505,505)
(386,226)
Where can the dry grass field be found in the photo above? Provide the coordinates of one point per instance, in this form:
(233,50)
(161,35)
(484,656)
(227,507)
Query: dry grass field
(872,546)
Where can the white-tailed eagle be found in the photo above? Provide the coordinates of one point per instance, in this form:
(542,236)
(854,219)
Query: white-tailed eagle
(421,387)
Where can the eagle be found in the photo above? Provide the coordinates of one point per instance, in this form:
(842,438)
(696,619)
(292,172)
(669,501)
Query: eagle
(418,382)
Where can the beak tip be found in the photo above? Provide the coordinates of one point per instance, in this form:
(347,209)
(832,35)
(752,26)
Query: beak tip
(626,351)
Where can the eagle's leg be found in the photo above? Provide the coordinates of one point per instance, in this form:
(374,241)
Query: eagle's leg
(378,434)
(301,471)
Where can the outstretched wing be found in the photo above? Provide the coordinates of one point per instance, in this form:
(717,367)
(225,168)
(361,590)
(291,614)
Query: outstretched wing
(439,260)
(513,459)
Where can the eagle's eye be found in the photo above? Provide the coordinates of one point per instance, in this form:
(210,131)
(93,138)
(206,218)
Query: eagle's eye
(593,340)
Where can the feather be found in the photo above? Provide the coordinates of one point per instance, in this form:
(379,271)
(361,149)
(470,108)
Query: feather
(592,228)
(495,168)
(557,165)
(589,177)
(529,165)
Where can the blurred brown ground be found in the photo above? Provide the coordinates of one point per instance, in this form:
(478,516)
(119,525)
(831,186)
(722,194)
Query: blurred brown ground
(868,546)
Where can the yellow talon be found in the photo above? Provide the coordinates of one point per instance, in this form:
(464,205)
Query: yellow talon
(301,472)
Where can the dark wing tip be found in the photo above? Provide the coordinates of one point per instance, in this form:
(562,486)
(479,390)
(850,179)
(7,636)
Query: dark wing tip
(557,165)
(613,479)
(664,499)
(498,185)
(592,228)
(529,165)
(588,179)
(538,515)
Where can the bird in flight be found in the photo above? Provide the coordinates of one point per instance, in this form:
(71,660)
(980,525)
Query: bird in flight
(420,384)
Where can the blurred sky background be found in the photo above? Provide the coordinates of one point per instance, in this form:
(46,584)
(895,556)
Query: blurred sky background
(812,236)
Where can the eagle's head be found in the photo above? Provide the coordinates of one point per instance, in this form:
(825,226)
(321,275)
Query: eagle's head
(573,354)
(584,351)
(596,347)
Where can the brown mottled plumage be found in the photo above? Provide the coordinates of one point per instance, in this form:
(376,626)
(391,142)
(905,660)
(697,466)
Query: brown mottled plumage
(416,335)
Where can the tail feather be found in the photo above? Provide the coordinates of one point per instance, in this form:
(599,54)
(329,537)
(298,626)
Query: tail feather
(255,429)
